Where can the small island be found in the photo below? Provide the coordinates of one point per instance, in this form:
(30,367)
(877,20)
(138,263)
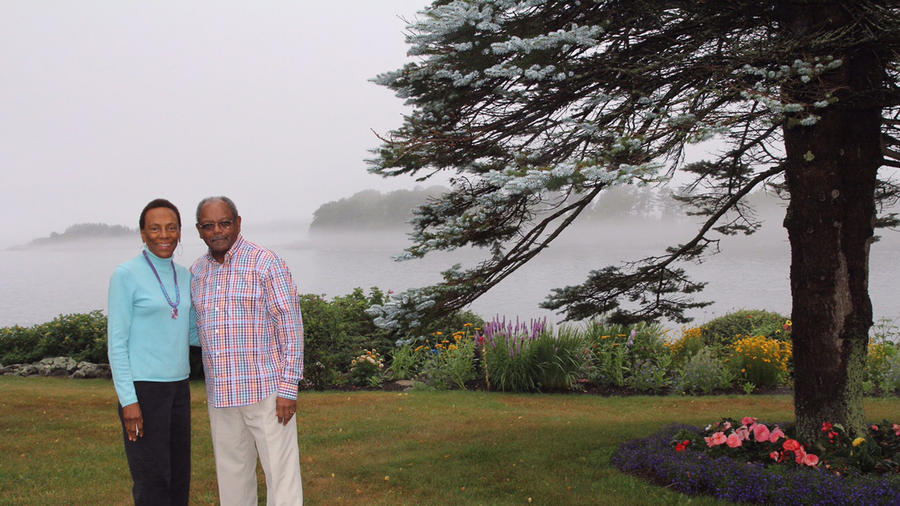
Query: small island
(80,231)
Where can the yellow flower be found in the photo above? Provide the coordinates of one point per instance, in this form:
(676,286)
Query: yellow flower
(467,325)
(858,441)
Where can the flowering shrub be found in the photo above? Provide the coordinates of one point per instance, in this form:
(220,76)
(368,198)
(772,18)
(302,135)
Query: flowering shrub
(367,369)
(450,363)
(732,479)
(721,331)
(690,342)
(760,360)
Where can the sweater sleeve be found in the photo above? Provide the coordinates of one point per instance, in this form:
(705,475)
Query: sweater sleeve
(121,307)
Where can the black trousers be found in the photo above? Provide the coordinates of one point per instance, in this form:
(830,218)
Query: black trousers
(160,461)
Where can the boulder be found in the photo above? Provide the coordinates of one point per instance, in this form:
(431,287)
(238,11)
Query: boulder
(91,370)
(56,366)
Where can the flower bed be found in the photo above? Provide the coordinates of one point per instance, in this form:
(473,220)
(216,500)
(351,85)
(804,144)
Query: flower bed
(721,476)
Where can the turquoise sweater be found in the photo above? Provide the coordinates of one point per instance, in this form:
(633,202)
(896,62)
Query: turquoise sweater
(145,342)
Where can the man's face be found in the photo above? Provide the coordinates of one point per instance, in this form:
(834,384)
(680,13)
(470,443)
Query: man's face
(218,227)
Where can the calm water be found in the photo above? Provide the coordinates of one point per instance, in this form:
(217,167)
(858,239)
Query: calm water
(752,272)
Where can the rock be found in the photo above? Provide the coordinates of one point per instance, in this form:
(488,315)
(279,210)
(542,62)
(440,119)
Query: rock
(56,366)
(91,370)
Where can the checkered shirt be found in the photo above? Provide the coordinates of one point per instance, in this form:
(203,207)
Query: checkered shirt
(250,326)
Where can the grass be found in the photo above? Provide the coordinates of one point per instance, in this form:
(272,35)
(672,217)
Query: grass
(61,444)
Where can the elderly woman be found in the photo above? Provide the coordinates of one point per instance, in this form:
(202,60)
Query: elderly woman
(149,330)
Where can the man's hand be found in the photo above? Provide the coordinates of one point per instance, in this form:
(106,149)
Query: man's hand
(134,421)
(285,409)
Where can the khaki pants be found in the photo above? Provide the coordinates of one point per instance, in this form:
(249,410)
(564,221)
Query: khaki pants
(239,435)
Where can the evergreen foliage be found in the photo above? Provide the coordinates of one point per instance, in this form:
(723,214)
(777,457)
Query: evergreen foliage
(537,107)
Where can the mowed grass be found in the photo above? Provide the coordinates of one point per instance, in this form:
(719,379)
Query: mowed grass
(61,443)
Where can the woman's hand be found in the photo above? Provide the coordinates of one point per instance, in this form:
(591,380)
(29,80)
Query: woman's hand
(134,421)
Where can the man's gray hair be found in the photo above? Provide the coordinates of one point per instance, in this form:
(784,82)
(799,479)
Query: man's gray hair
(224,199)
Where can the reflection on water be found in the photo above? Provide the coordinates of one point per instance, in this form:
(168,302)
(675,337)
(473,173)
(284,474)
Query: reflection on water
(752,272)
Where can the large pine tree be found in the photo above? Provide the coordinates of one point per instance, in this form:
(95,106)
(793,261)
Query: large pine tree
(537,106)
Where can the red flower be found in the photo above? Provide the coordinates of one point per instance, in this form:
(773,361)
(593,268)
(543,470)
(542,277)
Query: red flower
(827,426)
(792,445)
(679,447)
(774,456)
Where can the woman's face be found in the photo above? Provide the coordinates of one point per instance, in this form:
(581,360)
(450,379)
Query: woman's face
(161,232)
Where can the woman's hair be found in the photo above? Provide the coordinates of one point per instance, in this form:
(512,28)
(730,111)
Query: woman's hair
(155,203)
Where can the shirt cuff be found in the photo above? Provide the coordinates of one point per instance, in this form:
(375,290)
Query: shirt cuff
(287,390)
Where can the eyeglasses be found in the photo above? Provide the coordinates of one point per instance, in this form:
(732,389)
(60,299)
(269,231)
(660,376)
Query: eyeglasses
(224,225)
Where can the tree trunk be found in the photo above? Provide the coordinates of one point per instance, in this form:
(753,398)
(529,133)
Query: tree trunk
(831,173)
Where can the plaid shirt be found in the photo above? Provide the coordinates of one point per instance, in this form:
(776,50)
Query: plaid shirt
(250,326)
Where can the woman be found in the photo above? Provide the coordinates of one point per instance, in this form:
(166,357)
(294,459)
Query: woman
(148,335)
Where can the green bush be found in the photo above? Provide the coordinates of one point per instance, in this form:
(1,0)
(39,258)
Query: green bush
(81,336)
(723,331)
(703,373)
(337,331)
(558,359)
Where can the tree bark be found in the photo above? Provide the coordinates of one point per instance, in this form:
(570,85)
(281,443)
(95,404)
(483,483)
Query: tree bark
(831,174)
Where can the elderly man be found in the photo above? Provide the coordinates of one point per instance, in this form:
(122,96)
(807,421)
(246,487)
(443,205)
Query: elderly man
(251,333)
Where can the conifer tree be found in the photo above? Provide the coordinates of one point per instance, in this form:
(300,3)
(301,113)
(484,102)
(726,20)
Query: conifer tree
(537,106)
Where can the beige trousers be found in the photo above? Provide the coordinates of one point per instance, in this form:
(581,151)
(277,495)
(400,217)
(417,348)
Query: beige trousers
(239,435)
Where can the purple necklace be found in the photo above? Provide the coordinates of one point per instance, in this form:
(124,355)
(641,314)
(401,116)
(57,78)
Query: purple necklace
(177,292)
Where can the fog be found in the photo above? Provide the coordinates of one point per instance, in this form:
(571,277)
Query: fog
(108,104)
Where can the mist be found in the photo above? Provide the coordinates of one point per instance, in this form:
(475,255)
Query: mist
(109,104)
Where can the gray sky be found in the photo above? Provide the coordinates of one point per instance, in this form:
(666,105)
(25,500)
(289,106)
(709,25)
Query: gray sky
(108,104)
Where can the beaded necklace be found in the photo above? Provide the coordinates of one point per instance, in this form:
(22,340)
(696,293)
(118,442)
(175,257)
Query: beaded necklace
(177,292)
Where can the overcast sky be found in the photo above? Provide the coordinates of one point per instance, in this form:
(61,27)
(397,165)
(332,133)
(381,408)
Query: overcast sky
(105,105)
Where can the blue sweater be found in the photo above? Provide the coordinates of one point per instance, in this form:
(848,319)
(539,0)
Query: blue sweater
(145,342)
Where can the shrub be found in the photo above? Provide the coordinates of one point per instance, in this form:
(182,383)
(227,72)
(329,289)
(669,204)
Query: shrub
(81,336)
(722,331)
(366,370)
(703,373)
(690,342)
(334,331)
(761,361)
(881,374)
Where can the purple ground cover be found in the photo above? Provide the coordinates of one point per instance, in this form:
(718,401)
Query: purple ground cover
(722,477)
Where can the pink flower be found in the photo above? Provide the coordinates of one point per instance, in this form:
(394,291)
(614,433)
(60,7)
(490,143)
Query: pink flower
(875,428)
(792,445)
(896,428)
(811,460)
(775,435)
(716,439)
(743,433)
(733,440)
(774,456)
(760,433)
(800,455)
(748,421)
(726,426)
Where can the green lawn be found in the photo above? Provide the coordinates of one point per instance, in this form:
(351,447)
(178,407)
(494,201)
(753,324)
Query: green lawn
(61,444)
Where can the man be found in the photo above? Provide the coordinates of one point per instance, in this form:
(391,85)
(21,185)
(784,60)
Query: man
(251,333)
